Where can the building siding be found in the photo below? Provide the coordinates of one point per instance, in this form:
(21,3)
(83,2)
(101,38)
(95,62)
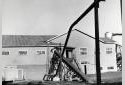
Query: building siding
(79,40)
(34,66)
(31,57)
(108,60)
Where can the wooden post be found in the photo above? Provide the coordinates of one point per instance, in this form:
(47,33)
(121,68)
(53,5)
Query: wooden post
(61,69)
(48,59)
(85,69)
(97,45)
(121,8)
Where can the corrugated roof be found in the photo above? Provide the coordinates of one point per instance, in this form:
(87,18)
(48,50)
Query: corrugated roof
(25,40)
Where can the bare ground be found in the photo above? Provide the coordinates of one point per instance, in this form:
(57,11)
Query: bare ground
(110,78)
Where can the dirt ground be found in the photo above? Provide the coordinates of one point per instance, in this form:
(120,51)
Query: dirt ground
(59,83)
(110,78)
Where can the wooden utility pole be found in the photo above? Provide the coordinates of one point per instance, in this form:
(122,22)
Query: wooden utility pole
(121,7)
(94,5)
(97,44)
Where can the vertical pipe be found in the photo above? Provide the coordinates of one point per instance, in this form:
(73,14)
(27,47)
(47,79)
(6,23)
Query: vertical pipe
(97,44)
(116,54)
(121,8)
(85,69)
(60,63)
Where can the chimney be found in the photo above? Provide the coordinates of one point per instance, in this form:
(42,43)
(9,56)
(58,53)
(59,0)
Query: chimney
(108,35)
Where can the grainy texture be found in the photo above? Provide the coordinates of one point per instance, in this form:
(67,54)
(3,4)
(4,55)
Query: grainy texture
(111,78)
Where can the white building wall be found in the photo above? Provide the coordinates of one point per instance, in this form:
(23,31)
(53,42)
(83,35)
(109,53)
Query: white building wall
(108,60)
(14,58)
(79,40)
(33,65)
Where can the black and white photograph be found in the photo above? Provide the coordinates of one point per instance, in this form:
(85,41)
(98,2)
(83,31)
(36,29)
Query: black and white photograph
(61,42)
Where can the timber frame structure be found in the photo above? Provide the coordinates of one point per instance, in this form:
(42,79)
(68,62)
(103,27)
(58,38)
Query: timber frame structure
(61,60)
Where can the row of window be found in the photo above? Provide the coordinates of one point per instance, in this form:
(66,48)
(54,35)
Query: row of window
(108,50)
(86,62)
(111,67)
(83,51)
(23,52)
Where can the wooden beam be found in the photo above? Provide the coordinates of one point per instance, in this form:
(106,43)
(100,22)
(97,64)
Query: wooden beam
(76,21)
(97,44)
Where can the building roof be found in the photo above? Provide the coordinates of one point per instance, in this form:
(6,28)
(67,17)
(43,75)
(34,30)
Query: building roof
(39,40)
(107,40)
(25,40)
(103,40)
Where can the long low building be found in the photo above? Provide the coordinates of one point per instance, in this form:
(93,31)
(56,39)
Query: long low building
(32,52)
(28,52)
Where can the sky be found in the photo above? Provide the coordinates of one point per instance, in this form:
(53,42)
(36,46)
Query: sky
(54,17)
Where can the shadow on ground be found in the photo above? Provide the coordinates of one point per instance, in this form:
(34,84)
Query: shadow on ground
(56,83)
(110,78)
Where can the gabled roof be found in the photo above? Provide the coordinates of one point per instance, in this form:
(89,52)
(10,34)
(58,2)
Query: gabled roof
(103,40)
(39,40)
(25,40)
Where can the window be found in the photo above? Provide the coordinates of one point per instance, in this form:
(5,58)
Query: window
(5,53)
(83,51)
(108,50)
(40,52)
(101,68)
(22,52)
(111,67)
(84,62)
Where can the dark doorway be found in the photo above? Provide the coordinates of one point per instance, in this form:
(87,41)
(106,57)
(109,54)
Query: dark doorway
(69,52)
